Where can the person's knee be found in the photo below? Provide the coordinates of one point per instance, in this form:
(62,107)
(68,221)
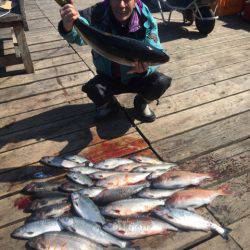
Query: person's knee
(164,82)
(160,84)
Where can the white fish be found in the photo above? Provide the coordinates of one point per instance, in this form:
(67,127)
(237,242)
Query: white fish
(112,163)
(188,220)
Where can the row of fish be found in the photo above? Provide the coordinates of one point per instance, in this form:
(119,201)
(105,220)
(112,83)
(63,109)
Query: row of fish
(114,201)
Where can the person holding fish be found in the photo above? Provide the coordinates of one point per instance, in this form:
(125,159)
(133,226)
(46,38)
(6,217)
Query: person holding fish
(126,18)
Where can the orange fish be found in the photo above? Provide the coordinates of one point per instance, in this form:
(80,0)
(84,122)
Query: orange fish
(193,198)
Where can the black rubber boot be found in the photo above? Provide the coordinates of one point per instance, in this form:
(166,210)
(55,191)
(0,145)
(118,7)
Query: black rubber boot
(143,111)
(107,110)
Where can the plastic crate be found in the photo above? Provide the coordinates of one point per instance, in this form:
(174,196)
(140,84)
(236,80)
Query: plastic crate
(229,7)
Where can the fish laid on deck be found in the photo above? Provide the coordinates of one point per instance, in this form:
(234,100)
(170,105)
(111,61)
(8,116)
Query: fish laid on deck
(117,207)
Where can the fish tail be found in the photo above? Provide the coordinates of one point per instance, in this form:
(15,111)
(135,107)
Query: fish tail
(224,190)
(223,231)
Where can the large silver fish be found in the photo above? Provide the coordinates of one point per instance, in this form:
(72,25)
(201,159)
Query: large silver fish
(63,240)
(40,186)
(129,167)
(35,228)
(134,228)
(156,193)
(112,163)
(154,167)
(58,162)
(90,192)
(39,203)
(91,231)
(84,170)
(79,159)
(188,220)
(103,174)
(119,193)
(122,179)
(121,50)
(81,179)
(51,211)
(86,208)
(71,187)
(130,207)
(145,159)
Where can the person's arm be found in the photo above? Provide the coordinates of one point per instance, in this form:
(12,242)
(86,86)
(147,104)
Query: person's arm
(152,37)
(66,26)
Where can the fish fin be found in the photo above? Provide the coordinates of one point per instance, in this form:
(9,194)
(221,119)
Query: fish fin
(225,233)
(224,190)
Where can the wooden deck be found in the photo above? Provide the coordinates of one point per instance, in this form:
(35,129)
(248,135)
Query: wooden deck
(202,120)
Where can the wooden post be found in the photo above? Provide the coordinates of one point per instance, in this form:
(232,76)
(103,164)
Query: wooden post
(23,47)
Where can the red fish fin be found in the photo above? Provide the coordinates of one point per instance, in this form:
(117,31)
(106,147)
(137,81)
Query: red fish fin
(224,190)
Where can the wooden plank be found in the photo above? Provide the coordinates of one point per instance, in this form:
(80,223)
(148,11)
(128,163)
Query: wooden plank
(185,58)
(47,46)
(6,242)
(214,76)
(78,141)
(40,101)
(82,122)
(8,207)
(240,232)
(204,139)
(40,87)
(51,53)
(40,23)
(185,120)
(223,61)
(43,74)
(21,121)
(56,61)
(184,100)
(218,243)
(232,208)
(41,38)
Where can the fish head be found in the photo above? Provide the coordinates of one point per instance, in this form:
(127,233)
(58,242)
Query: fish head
(37,242)
(22,232)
